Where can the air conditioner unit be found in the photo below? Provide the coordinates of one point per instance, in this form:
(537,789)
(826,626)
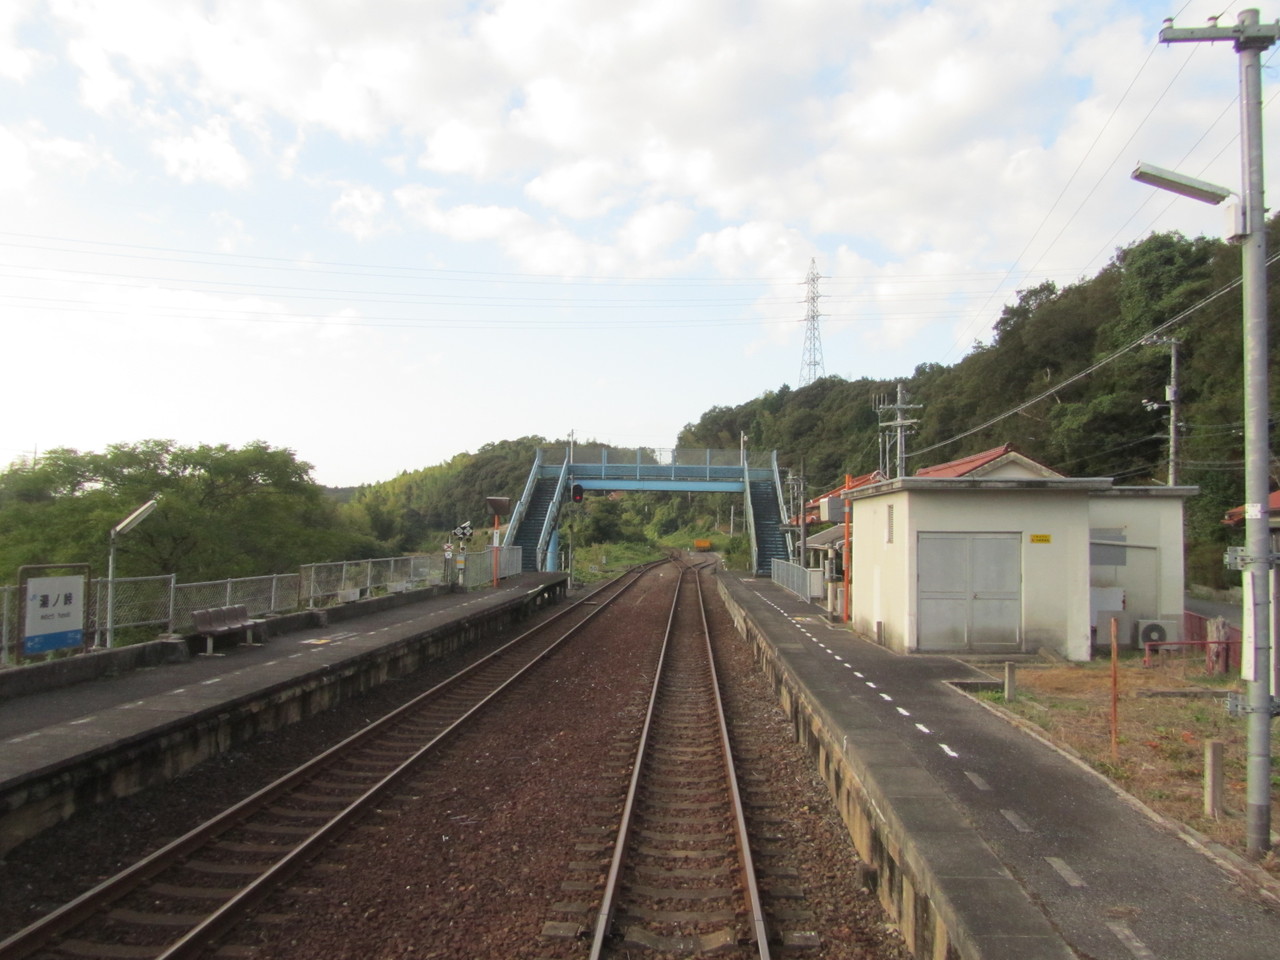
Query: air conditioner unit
(1158,631)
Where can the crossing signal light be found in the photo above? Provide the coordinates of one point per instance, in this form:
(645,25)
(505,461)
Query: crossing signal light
(577,493)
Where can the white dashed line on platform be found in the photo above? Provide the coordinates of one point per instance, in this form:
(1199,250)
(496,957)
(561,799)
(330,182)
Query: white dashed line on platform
(923,729)
(1019,824)
(1127,937)
(977,781)
(1065,872)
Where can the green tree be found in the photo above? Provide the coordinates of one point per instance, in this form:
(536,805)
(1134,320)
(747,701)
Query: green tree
(223,512)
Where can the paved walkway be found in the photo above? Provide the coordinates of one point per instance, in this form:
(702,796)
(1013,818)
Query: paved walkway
(1113,880)
(40,731)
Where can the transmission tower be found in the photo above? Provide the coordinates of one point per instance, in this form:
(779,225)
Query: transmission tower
(811,366)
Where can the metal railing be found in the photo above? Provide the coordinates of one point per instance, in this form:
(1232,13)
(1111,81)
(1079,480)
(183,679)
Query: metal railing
(322,583)
(163,603)
(478,569)
(804,582)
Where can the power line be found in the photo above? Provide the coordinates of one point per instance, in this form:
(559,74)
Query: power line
(1141,341)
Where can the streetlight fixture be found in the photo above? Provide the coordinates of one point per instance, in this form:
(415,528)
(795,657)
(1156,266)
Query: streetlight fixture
(119,530)
(1201,190)
(1250,38)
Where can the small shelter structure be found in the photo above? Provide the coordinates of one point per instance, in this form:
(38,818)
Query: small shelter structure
(996,553)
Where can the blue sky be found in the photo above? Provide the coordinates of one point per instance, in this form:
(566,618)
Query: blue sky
(381,233)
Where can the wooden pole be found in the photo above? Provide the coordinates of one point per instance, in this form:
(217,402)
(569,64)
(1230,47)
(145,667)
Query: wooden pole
(1115,691)
(1213,778)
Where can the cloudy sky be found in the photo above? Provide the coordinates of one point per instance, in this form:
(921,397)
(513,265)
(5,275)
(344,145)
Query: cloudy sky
(383,232)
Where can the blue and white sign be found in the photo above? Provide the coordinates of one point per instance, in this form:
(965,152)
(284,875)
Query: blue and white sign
(55,614)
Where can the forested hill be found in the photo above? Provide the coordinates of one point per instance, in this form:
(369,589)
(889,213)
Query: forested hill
(1094,426)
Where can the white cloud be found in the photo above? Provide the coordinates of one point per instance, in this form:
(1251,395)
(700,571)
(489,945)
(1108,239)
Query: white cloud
(16,172)
(948,145)
(231,232)
(359,211)
(458,147)
(582,189)
(205,153)
(17,61)
(653,230)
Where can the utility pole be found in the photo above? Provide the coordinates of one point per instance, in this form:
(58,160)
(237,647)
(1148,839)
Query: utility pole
(1250,39)
(893,433)
(1171,395)
(811,366)
(1172,398)
(796,486)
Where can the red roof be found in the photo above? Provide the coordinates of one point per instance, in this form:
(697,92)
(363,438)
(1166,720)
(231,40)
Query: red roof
(875,476)
(1235,516)
(958,468)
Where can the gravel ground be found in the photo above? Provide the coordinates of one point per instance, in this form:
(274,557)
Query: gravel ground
(472,859)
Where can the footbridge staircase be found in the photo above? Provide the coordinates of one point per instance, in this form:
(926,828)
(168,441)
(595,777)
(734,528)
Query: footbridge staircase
(557,473)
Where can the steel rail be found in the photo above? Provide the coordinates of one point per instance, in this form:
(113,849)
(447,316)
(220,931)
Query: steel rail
(609,898)
(746,868)
(39,934)
(746,861)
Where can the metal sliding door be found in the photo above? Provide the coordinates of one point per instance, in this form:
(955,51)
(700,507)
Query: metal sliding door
(969,596)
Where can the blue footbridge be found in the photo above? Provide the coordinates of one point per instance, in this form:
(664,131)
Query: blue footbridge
(535,521)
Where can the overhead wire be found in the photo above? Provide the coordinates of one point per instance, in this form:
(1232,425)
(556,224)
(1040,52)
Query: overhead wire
(1097,365)
(1066,186)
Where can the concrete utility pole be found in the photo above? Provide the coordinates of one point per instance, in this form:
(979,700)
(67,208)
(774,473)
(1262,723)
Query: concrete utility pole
(1250,39)
(1171,395)
(893,433)
(811,366)
(1171,401)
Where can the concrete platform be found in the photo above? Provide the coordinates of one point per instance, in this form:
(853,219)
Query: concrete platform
(988,842)
(78,744)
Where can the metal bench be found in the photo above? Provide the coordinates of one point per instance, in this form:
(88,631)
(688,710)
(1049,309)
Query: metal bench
(221,622)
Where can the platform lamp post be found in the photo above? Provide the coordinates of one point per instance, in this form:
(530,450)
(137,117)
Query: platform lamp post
(1250,39)
(498,506)
(119,530)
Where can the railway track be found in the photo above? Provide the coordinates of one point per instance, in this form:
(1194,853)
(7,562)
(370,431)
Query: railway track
(681,880)
(180,900)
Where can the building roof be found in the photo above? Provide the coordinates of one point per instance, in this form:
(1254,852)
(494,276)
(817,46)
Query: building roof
(826,537)
(875,476)
(1004,460)
(1235,516)
(811,508)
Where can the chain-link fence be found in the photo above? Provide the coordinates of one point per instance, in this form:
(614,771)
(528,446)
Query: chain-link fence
(322,583)
(166,605)
(478,569)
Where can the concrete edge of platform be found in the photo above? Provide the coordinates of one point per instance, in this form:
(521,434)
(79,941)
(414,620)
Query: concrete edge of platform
(50,793)
(942,884)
